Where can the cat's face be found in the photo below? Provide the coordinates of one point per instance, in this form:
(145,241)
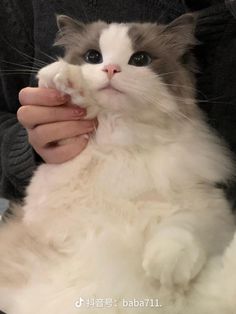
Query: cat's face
(143,65)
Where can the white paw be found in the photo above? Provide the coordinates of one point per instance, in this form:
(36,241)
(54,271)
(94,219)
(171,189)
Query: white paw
(64,77)
(174,257)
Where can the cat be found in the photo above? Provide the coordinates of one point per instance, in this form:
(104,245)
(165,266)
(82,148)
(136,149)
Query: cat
(137,215)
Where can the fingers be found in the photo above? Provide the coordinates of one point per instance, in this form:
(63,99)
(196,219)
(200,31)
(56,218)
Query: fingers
(60,154)
(55,129)
(42,106)
(31,116)
(43,135)
(38,96)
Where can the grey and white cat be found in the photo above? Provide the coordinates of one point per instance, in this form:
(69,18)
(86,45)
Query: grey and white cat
(137,215)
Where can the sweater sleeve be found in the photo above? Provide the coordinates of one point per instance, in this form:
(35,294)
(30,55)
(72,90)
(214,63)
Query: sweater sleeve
(17,158)
(216,31)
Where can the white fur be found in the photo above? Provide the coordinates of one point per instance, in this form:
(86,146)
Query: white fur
(136,215)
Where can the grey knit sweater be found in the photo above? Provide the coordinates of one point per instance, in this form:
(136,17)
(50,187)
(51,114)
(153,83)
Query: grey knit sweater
(28,30)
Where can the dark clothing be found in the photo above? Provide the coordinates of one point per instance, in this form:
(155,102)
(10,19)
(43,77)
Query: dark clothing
(216,54)
(28,29)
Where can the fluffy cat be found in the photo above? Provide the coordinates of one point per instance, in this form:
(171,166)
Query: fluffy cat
(137,215)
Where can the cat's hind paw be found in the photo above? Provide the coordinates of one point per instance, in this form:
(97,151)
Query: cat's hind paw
(174,257)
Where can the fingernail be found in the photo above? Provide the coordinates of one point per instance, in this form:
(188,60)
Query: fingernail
(63,98)
(79,112)
(86,136)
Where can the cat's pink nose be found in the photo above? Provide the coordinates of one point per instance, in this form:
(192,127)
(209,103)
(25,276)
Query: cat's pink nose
(111,70)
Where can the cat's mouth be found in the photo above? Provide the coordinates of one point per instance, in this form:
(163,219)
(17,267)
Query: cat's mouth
(110,88)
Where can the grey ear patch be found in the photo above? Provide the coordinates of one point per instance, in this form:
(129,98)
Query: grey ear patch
(181,33)
(187,20)
(66,22)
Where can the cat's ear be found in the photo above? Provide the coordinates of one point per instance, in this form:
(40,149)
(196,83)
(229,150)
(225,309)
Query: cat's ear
(68,27)
(179,34)
(65,22)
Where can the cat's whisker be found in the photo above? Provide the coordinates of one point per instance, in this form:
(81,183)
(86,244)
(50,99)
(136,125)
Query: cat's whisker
(178,85)
(20,65)
(26,72)
(167,73)
(46,55)
(214,100)
(182,115)
(12,73)
(184,99)
(18,70)
(18,73)
(151,99)
(185,87)
(31,59)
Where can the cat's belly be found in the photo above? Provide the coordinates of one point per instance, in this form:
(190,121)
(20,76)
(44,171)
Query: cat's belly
(106,265)
(91,178)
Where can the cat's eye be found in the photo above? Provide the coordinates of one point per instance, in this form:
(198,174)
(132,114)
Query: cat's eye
(140,59)
(93,56)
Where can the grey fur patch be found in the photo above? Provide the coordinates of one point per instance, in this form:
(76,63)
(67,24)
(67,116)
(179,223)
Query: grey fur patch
(170,49)
(77,38)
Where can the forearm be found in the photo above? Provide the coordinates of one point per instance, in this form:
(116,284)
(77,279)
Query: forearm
(17,158)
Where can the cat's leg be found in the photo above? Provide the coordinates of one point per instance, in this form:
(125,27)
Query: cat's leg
(173,256)
(68,79)
(179,246)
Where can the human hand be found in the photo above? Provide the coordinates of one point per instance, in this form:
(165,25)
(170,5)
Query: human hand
(56,129)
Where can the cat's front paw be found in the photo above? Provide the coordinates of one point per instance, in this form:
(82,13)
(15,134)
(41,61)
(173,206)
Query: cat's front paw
(174,257)
(64,77)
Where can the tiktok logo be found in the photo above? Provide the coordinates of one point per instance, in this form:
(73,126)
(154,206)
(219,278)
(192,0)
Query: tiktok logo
(79,303)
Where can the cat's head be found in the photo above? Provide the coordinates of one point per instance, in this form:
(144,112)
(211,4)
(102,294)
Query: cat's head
(134,67)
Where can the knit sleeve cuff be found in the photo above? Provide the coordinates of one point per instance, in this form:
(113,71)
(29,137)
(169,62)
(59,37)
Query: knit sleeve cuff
(19,158)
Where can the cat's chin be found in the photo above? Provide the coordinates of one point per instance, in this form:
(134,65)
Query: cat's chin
(110,89)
